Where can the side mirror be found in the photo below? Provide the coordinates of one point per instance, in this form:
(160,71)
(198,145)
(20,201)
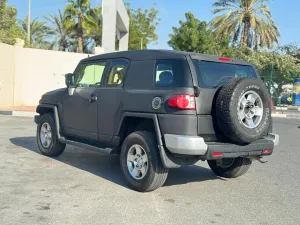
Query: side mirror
(69,80)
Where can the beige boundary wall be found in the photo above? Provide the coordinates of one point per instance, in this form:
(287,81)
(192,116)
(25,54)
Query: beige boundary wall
(25,74)
(7,71)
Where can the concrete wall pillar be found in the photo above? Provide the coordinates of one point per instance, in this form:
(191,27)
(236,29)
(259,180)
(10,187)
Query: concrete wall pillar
(115,21)
(123,42)
(109,28)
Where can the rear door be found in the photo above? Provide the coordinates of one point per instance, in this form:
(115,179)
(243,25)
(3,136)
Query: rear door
(110,97)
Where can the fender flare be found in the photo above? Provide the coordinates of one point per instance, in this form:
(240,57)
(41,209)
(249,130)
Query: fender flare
(151,116)
(56,116)
(166,158)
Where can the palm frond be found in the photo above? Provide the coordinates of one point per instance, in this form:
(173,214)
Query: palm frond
(248,20)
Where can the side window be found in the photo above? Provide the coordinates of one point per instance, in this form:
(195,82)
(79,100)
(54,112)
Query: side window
(116,74)
(172,73)
(89,75)
(164,74)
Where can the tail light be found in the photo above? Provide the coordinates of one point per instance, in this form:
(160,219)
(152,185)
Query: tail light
(266,151)
(182,102)
(225,59)
(217,154)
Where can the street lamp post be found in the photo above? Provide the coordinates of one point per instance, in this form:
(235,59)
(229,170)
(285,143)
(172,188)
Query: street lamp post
(142,39)
(28,23)
(141,43)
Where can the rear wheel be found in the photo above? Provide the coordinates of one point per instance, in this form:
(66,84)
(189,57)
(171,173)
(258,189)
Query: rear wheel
(230,168)
(47,140)
(141,163)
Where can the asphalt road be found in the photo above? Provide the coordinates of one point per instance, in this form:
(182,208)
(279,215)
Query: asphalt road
(84,187)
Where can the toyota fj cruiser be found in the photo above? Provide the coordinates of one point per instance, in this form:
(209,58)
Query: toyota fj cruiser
(160,110)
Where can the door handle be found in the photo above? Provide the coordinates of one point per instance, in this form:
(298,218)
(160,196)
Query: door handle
(93,98)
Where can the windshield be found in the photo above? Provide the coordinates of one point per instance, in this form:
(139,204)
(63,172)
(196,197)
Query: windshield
(214,74)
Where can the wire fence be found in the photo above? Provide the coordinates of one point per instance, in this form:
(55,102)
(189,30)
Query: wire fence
(274,81)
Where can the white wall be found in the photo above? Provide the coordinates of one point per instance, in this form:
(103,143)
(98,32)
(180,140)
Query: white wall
(6,75)
(34,72)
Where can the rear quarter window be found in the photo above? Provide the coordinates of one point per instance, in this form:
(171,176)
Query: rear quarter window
(172,73)
(215,74)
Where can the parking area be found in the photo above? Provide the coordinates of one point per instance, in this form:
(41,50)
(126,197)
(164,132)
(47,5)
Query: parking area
(85,187)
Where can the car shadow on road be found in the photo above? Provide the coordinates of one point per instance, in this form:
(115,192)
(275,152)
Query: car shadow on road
(108,167)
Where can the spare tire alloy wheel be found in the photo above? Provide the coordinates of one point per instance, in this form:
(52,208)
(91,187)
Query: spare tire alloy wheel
(243,110)
(250,109)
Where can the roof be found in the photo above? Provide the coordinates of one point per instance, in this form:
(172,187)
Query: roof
(140,55)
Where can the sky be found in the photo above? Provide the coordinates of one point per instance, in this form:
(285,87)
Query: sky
(286,14)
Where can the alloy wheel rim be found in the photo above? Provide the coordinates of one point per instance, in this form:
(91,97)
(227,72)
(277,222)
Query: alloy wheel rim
(46,135)
(137,162)
(250,109)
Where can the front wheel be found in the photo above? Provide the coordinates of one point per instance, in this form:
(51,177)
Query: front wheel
(141,163)
(47,139)
(230,168)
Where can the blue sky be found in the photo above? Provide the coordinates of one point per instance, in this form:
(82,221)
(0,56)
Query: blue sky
(286,14)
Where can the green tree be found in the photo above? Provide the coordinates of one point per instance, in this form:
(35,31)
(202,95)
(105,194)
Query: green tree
(9,29)
(194,35)
(62,35)
(87,44)
(291,49)
(283,67)
(93,25)
(247,21)
(39,33)
(142,29)
(76,13)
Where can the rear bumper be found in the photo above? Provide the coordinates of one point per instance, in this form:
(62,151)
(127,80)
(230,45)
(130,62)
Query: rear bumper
(195,145)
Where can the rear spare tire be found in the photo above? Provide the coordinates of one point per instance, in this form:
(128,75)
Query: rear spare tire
(243,110)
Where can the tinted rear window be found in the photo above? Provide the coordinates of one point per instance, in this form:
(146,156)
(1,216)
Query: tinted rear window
(214,74)
(172,73)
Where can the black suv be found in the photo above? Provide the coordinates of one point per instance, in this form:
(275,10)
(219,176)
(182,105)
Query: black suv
(159,110)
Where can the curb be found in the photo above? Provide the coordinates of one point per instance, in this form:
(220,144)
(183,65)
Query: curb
(287,109)
(279,115)
(23,114)
(286,115)
(18,113)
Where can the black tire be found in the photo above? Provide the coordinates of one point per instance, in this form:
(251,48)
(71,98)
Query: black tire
(237,168)
(156,174)
(227,103)
(55,148)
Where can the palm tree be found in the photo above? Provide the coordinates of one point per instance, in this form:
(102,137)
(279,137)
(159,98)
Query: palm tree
(247,21)
(60,31)
(76,15)
(93,25)
(39,33)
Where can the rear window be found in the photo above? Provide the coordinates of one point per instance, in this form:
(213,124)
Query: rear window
(172,73)
(214,74)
